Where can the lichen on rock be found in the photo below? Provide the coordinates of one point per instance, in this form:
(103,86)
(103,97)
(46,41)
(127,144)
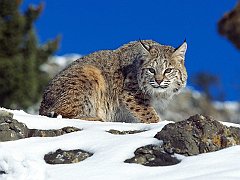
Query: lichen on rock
(11,129)
(117,132)
(152,155)
(66,156)
(51,132)
(198,134)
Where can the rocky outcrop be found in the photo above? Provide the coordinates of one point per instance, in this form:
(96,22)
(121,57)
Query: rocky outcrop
(198,134)
(66,157)
(229,26)
(51,133)
(11,129)
(117,132)
(152,155)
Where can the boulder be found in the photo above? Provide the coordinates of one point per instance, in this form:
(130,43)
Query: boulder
(152,155)
(198,134)
(66,156)
(51,132)
(11,129)
(117,132)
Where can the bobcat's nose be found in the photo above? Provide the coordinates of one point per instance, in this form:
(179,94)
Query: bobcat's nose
(159,79)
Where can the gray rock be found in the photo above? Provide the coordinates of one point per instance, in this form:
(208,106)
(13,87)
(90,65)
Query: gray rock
(51,132)
(152,155)
(11,129)
(117,132)
(198,134)
(20,128)
(2,172)
(66,157)
(8,135)
(4,127)
(5,116)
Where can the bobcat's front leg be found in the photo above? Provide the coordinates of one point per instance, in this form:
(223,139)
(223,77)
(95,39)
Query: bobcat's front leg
(139,107)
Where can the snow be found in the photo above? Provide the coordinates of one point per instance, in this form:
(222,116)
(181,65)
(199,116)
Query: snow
(56,63)
(64,60)
(23,159)
(230,105)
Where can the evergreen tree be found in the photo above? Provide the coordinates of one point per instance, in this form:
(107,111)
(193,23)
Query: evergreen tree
(21,80)
(204,81)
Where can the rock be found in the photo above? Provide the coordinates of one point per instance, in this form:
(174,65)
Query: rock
(11,129)
(152,155)
(4,127)
(2,172)
(198,134)
(229,26)
(8,135)
(117,132)
(5,116)
(51,132)
(66,157)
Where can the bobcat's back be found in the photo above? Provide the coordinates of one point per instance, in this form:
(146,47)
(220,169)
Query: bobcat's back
(82,89)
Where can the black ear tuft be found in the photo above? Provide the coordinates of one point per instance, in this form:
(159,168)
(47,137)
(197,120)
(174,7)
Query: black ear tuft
(144,46)
(180,51)
(185,41)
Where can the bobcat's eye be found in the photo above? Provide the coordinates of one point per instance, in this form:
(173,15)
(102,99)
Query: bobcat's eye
(151,70)
(168,70)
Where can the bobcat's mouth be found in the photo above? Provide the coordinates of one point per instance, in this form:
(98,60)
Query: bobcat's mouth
(162,85)
(156,85)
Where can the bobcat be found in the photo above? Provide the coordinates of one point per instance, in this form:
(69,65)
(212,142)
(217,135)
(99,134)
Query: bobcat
(129,84)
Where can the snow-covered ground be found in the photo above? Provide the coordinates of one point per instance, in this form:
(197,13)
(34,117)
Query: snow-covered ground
(23,159)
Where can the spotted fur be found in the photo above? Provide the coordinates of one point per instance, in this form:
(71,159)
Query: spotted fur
(129,84)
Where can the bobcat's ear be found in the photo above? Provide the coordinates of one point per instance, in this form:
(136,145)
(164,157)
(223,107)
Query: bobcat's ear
(144,46)
(180,51)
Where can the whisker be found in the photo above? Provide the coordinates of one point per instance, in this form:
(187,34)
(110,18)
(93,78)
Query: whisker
(165,83)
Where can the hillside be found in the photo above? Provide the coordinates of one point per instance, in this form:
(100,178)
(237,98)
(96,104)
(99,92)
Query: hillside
(24,158)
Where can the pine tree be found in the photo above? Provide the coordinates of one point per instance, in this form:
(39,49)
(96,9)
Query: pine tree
(205,81)
(21,80)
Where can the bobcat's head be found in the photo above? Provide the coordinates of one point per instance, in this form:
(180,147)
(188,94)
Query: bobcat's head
(161,68)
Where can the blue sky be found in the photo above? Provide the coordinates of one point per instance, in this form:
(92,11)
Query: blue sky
(91,25)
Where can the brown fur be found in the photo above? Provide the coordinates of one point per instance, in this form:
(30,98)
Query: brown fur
(113,85)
